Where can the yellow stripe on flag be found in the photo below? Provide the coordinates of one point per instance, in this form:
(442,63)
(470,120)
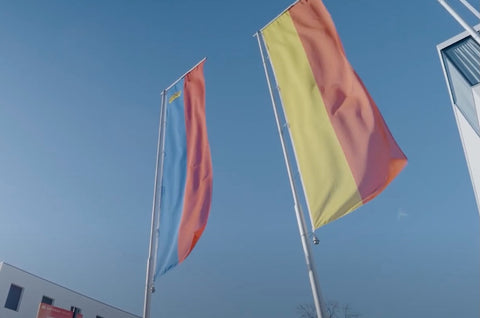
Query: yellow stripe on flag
(329,185)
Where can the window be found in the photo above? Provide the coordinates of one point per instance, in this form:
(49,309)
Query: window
(13,298)
(465,55)
(47,300)
(75,310)
(97,316)
(462,63)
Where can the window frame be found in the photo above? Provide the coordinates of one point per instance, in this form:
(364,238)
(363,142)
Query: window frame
(18,301)
(51,303)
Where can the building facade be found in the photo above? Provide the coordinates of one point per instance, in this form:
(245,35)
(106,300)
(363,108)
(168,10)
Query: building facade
(21,294)
(460,58)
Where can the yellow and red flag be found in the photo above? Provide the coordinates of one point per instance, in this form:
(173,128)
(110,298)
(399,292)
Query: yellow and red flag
(345,151)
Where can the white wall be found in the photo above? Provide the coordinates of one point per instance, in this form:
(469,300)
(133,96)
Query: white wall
(471,146)
(34,288)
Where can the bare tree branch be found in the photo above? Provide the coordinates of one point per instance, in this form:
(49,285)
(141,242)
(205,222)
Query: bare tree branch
(333,310)
(306,311)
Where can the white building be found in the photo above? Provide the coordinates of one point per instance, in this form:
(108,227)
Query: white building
(460,58)
(21,294)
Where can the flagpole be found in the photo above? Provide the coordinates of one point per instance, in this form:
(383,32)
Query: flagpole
(471,8)
(302,227)
(462,22)
(152,253)
(173,84)
(266,25)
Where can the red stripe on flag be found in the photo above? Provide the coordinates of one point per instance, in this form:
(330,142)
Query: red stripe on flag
(198,186)
(371,152)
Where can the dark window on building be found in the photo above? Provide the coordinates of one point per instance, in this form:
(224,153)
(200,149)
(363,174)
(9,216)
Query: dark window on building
(462,64)
(75,310)
(97,316)
(13,298)
(465,55)
(47,300)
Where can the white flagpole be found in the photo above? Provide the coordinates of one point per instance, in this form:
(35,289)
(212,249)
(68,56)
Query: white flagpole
(471,8)
(266,25)
(462,22)
(152,254)
(180,78)
(302,227)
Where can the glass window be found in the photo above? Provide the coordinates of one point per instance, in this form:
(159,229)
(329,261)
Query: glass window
(465,55)
(47,300)
(13,298)
(462,63)
(75,310)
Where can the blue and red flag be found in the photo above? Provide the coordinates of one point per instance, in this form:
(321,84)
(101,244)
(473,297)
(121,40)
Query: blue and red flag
(186,186)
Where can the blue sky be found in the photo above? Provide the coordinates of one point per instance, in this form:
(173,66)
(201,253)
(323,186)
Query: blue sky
(80,87)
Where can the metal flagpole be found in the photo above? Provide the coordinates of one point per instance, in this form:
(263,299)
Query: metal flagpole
(471,8)
(462,22)
(302,227)
(152,254)
(266,25)
(180,78)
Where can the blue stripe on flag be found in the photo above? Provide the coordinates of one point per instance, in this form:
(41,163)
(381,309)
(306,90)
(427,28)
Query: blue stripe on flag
(173,184)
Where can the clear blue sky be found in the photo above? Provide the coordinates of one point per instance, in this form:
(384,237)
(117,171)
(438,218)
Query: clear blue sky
(80,85)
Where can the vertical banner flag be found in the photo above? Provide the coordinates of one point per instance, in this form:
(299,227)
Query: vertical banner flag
(344,150)
(186,186)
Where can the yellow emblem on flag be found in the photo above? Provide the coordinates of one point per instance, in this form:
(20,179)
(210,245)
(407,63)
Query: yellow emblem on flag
(174,96)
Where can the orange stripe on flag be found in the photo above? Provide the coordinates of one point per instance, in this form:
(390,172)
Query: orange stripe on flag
(198,184)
